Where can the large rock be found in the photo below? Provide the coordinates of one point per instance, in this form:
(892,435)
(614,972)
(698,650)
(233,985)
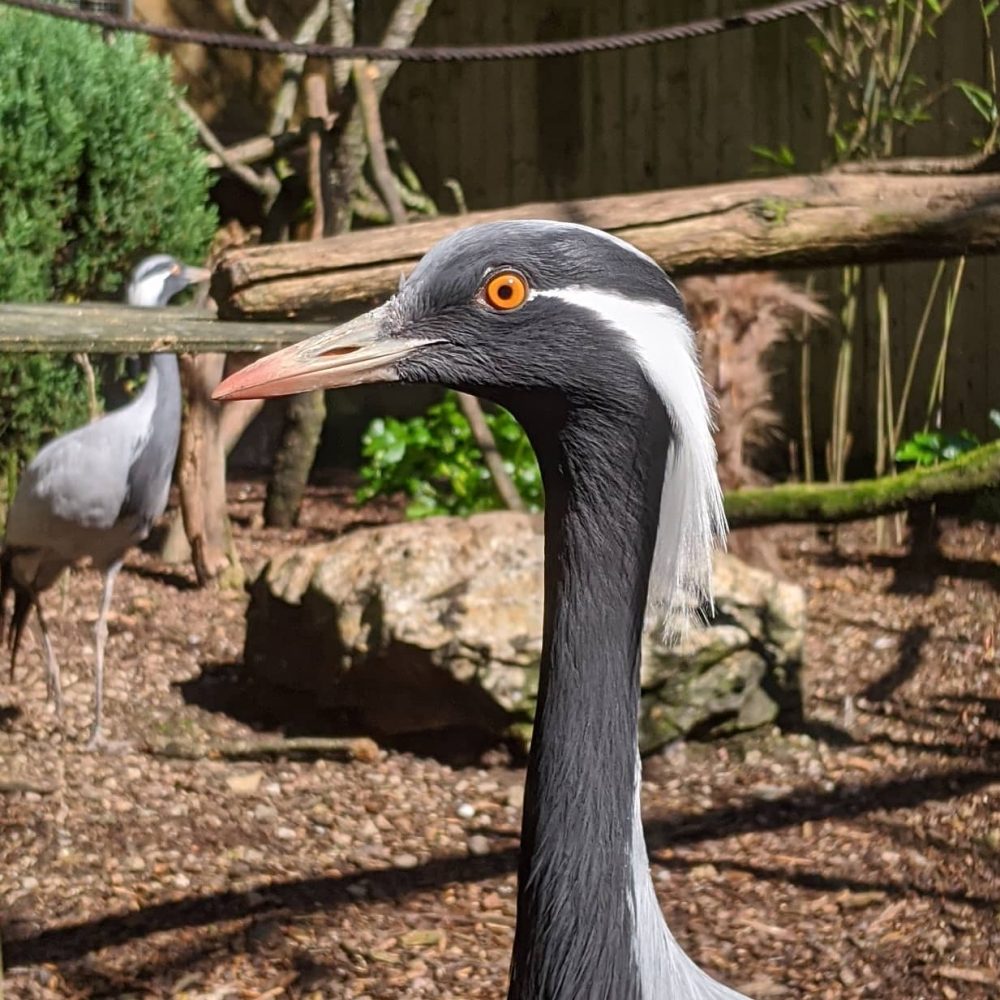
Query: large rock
(438,623)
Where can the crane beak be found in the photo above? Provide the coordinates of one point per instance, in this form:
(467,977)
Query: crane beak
(195,275)
(352,354)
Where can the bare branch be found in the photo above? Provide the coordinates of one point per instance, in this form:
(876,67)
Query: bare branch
(320,122)
(336,747)
(284,104)
(259,147)
(486,443)
(364,77)
(262,25)
(267,186)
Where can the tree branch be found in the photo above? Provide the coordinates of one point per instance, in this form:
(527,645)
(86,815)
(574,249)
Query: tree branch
(835,502)
(267,185)
(338,748)
(368,100)
(488,446)
(293,65)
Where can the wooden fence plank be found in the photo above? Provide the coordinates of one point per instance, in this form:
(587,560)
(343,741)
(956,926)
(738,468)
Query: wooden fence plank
(106,328)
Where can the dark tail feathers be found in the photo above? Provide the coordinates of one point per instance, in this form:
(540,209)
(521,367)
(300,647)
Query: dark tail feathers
(23,600)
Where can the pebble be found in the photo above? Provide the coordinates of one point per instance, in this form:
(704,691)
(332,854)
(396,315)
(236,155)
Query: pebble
(285,833)
(479,845)
(405,860)
(465,811)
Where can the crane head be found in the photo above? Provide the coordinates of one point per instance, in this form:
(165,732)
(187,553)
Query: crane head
(155,280)
(547,319)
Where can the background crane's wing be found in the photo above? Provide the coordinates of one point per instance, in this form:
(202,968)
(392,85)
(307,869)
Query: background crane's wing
(79,482)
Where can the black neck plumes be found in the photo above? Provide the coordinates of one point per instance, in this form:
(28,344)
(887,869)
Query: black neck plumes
(575,930)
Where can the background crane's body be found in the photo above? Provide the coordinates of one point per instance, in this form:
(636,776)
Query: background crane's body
(93,493)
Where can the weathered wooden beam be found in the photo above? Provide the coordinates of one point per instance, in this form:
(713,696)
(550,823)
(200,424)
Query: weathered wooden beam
(804,221)
(106,328)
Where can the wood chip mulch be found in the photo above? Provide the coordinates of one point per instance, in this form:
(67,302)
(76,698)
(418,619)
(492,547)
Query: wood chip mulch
(857,855)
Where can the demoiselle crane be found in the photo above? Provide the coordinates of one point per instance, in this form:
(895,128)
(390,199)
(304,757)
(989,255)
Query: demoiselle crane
(584,339)
(93,493)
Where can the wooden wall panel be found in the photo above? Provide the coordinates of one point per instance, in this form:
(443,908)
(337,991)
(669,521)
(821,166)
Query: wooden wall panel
(688,113)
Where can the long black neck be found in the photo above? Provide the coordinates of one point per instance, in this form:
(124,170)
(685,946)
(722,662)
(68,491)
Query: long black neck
(575,937)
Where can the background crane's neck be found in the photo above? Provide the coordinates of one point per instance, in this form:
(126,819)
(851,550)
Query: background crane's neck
(576,909)
(165,384)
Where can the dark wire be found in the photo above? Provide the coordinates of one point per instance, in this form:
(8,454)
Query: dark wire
(450,53)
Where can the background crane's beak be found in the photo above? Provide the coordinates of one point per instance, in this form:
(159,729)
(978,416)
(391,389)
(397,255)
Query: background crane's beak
(351,354)
(195,275)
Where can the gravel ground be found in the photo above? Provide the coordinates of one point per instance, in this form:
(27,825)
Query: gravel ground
(857,857)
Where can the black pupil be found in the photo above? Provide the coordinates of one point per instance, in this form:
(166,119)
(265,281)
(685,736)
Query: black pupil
(505,291)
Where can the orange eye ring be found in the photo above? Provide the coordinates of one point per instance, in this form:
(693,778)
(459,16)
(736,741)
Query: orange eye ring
(506,290)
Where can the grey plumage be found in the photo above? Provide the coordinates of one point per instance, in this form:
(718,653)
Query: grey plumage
(92,493)
(591,352)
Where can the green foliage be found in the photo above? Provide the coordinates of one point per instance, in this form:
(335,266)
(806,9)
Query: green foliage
(97,163)
(781,159)
(434,460)
(98,166)
(931,447)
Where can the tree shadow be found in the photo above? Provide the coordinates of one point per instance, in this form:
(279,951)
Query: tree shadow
(826,883)
(911,647)
(308,895)
(166,577)
(912,575)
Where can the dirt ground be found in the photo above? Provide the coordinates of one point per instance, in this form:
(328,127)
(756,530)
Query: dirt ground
(858,857)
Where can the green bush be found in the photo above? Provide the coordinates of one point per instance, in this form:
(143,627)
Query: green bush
(97,168)
(433,459)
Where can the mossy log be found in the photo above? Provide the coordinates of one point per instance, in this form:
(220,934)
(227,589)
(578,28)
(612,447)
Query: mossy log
(832,502)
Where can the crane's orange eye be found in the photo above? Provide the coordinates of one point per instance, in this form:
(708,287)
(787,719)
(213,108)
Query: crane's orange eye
(506,290)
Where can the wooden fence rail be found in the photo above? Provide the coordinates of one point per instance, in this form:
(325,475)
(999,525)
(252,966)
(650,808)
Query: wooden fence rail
(107,328)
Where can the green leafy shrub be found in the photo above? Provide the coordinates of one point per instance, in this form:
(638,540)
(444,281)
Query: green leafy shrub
(435,461)
(98,166)
(931,447)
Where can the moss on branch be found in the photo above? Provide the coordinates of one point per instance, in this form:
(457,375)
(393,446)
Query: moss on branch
(831,502)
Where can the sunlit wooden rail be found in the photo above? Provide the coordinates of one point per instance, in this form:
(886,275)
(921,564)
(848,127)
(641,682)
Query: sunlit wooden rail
(106,328)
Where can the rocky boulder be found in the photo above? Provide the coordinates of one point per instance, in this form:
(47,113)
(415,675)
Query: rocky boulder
(437,624)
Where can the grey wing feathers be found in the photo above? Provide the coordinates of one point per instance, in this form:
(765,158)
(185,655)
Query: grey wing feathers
(79,480)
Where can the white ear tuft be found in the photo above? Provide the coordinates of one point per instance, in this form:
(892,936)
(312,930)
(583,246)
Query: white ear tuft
(692,518)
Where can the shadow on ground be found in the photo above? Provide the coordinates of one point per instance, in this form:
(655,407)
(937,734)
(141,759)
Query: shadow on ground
(300,896)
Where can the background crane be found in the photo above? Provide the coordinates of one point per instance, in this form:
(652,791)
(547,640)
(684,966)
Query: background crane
(94,492)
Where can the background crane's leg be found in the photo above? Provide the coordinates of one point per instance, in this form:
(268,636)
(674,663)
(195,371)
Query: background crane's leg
(100,637)
(52,680)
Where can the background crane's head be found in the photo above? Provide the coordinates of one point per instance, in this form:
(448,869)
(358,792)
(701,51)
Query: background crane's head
(545,318)
(155,280)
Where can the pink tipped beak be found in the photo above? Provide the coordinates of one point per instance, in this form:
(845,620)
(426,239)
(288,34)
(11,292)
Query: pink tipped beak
(352,354)
(196,275)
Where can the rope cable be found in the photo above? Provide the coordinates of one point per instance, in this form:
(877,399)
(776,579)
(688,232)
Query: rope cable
(437,53)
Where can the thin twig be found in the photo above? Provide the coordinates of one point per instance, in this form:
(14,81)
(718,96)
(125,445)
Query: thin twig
(293,66)
(255,149)
(935,401)
(364,83)
(82,358)
(267,186)
(262,25)
(904,397)
(338,747)
(320,122)
(487,445)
